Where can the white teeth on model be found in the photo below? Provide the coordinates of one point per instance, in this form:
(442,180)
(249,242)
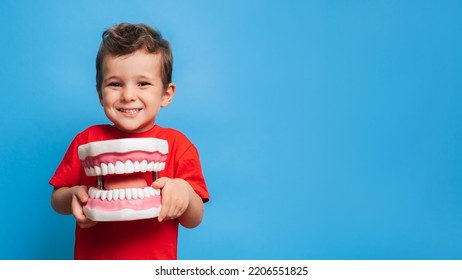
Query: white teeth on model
(91,192)
(136,166)
(121,194)
(110,168)
(119,168)
(104,169)
(143,165)
(129,167)
(110,194)
(141,193)
(146,192)
(115,194)
(103,195)
(156,166)
(124,168)
(98,193)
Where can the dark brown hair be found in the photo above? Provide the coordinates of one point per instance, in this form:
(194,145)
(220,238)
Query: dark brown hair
(125,38)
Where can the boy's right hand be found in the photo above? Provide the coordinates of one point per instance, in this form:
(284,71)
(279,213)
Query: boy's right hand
(79,198)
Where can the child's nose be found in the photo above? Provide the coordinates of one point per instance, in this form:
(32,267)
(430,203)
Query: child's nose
(128,94)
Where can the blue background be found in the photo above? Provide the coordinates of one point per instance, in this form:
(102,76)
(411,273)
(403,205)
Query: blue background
(326,129)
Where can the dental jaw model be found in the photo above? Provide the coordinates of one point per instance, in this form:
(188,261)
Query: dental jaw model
(122,193)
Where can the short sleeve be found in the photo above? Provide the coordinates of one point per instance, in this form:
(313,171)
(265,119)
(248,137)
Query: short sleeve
(189,169)
(68,172)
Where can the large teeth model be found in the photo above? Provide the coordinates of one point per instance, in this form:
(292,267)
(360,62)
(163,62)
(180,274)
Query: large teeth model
(123,156)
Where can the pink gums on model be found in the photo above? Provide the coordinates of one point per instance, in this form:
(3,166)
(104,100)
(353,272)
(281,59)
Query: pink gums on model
(106,158)
(116,205)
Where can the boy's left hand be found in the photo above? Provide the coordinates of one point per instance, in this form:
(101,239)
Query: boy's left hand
(175,197)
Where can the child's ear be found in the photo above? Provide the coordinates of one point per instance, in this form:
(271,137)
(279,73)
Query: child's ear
(167,97)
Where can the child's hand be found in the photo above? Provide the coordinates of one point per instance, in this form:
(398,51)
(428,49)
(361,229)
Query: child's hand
(175,197)
(79,198)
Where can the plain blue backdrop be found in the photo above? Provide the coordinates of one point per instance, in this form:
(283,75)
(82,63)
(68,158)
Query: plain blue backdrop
(326,129)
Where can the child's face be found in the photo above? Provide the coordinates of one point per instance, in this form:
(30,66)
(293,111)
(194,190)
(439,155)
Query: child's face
(132,90)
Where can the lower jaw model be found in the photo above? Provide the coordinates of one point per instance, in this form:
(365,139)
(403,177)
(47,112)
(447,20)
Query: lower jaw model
(122,192)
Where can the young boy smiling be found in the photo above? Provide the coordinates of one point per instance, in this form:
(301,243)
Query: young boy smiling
(133,81)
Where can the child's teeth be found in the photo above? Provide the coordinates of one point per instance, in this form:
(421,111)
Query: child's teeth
(131,111)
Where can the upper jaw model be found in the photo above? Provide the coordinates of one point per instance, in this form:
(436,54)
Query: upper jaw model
(120,197)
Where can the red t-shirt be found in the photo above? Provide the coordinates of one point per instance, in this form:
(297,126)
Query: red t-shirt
(139,239)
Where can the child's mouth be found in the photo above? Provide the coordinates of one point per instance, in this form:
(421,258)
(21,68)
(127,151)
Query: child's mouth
(129,111)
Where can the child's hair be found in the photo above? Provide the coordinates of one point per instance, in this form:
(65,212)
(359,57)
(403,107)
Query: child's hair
(125,38)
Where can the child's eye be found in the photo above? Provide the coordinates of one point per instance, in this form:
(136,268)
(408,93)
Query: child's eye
(143,84)
(114,84)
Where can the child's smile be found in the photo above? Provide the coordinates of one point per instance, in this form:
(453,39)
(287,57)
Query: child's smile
(129,112)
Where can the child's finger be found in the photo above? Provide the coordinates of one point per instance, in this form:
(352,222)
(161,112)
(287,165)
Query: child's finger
(159,183)
(77,210)
(82,197)
(87,224)
(78,201)
(165,209)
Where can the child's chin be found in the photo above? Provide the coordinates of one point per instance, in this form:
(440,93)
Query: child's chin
(135,128)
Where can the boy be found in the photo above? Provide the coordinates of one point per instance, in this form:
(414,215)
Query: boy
(133,80)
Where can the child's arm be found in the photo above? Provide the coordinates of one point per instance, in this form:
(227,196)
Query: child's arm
(179,200)
(70,201)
